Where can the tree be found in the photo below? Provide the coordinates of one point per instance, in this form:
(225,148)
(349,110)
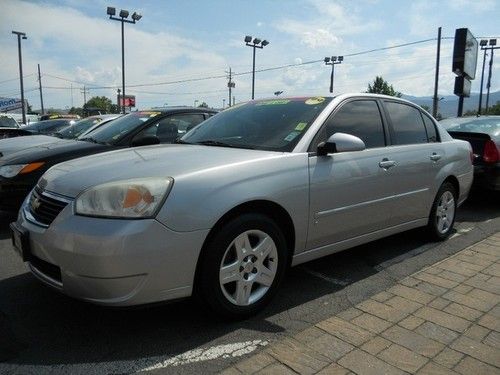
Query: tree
(203,105)
(426,107)
(76,111)
(381,86)
(102,103)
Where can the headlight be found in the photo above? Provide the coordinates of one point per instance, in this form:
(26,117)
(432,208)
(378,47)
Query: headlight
(137,198)
(13,170)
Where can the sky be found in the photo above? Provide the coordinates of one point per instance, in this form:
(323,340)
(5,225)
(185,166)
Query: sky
(180,51)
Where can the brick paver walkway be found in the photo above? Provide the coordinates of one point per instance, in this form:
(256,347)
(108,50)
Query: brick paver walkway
(444,319)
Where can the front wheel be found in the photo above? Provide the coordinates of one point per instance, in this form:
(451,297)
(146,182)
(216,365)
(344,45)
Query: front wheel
(242,266)
(443,212)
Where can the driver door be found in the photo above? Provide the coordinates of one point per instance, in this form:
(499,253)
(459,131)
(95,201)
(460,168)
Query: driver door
(349,192)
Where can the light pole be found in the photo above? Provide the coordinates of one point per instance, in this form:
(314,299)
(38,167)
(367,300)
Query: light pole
(255,43)
(492,43)
(21,35)
(482,43)
(334,60)
(195,102)
(123,18)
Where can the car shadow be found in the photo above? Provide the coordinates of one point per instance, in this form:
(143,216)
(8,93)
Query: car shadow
(39,326)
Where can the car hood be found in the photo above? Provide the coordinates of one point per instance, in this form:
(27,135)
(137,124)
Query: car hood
(10,145)
(61,150)
(72,177)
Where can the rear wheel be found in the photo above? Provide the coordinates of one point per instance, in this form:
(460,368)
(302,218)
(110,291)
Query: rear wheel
(443,212)
(242,266)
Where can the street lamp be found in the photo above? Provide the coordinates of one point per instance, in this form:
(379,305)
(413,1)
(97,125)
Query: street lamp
(277,93)
(255,43)
(492,43)
(334,60)
(111,12)
(21,35)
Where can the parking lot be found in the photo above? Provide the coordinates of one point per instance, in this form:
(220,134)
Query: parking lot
(45,332)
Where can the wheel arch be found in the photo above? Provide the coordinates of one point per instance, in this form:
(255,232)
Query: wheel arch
(271,209)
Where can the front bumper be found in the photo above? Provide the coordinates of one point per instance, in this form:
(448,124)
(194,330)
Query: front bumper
(113,262)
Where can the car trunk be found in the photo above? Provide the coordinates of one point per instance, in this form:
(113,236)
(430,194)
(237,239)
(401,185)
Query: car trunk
(477,141)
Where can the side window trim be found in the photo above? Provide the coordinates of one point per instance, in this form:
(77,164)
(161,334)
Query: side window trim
(438,138)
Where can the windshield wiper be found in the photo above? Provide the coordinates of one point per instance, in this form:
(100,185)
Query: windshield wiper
(178,140)
(93,140)
(213,142)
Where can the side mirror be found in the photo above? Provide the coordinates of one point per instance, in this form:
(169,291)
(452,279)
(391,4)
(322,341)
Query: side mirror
(340,142)
(147,140)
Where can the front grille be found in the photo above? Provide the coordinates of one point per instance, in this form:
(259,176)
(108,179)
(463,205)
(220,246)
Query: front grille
(44,208)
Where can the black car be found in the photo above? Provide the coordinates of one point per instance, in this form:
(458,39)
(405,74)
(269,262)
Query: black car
(483,133)
(20,171)
(49,126)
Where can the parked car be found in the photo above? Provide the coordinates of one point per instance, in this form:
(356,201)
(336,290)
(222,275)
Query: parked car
(19,171)
(8,126)
(48,126)
(247,193)
(58,116)
(78,129)
(483,133)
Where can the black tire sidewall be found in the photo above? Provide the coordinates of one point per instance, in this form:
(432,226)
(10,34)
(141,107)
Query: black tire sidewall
(215,249)
(432,225)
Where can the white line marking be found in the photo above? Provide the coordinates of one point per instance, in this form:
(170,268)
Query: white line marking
(326,278)
(234,350)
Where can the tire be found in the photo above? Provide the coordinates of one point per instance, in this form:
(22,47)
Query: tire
(237,283)
(443,213)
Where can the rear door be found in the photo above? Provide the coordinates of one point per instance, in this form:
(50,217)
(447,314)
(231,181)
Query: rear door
(349,191)
(417,155)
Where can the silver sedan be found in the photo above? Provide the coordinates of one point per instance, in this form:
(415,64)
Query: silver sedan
(240,198)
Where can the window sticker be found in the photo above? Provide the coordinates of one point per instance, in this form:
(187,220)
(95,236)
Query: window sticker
(149,113)
(315,100)
(301,126)
(290,137)
(273,102)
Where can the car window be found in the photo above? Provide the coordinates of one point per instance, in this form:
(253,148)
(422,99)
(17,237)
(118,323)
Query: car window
(488,125)
(430,128)
(113,131)
(168,129)
(407,124)
(8,122)
(360,118)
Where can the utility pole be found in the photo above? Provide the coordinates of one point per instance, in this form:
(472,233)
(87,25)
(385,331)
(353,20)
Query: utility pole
(118,100)
(20,36)
(230,85)
(234,100)
(435,99)
(40,86)
(71,88)
(84,92)
(223,103)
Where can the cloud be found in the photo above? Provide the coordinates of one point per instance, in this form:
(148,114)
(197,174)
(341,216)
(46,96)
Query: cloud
(328,23)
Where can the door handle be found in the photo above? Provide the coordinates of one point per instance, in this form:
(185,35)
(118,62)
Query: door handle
(386,163)
(435,157)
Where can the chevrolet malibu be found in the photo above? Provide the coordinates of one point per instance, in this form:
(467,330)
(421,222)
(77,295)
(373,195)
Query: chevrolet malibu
(256,189)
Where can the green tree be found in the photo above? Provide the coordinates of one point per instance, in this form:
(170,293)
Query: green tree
(102,103)
(76,111)
(203,105)
(381,86)
(426,107)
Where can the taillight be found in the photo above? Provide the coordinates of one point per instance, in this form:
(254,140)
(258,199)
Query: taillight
(490,153)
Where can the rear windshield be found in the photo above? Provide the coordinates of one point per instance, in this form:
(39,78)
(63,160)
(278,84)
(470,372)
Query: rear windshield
(275,124)
(490,126)
(78,128)
(48,126)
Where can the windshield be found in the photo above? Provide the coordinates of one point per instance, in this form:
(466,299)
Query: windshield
(75,130)
(488,125)
(8,122)
(48,126)
(275,124)
(114,130)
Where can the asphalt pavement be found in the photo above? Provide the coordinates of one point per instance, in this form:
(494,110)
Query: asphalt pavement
(42,331)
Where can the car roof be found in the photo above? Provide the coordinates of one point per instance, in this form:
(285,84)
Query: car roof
(175,109)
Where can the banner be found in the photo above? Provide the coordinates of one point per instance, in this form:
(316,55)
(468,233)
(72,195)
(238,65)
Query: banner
(8,104)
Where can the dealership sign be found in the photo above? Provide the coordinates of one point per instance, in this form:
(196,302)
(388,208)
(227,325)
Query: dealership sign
(129,100)
(8,104)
